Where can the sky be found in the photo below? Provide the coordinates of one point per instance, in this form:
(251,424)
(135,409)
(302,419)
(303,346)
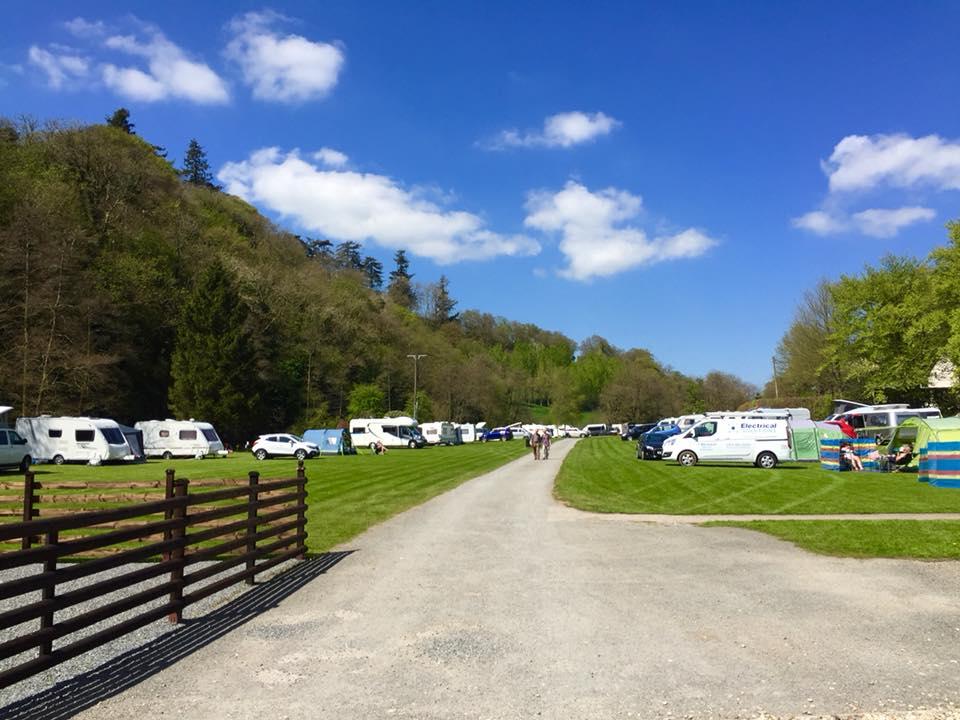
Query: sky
(671,176)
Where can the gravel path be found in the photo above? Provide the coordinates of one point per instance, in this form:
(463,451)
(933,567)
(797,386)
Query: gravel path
(493,601)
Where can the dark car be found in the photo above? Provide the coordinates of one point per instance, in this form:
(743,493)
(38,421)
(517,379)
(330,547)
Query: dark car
(633,431)
(650,444)
(497,434)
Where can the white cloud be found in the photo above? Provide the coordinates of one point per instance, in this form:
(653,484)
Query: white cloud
(82,28)
(560,130)
(60,67)
(330,157)
(347,205)
(170,73)
(594,235)
(820,222)
(861,162)
(286,68)
(884,223)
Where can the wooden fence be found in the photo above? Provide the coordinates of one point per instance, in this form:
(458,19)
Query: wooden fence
(224,529)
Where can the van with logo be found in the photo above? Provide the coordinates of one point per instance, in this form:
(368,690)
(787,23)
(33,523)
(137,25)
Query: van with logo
(733,437)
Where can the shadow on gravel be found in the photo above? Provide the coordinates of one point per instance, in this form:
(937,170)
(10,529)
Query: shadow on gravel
(67,698)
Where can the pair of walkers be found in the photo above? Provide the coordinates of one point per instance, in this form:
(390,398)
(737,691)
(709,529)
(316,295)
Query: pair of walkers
(540,442)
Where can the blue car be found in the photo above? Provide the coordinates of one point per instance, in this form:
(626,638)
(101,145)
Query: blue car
(650,444)
(497,434)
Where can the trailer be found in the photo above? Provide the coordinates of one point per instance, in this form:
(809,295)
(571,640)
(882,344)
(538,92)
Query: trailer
(75,439)
(180,438)
(440,433)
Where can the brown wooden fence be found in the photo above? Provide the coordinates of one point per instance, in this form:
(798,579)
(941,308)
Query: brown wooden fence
(191,537)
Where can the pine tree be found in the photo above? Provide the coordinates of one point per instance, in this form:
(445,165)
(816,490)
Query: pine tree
(400,289)
(441,304)
(196,168)
(373,269)
(213,365)
(347,256)
(121,120)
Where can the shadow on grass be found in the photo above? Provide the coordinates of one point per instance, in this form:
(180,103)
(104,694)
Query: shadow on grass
(734,465)
(69,697)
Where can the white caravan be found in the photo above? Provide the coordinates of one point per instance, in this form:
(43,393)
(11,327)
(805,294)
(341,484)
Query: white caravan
(737,437)
(74,439)
(468,433)
(390,432)
(439,433)
(180,438)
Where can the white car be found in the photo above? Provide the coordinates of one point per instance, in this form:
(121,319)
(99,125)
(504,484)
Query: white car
(283,444)
(14,451)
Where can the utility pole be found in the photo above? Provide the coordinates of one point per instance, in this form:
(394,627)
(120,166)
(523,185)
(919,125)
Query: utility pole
(776,386)
(416,360)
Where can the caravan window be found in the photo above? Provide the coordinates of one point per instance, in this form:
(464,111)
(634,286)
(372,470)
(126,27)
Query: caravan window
(210,434)
(188,434)
(83,435)
(113,436)
(54,433)
(164,433)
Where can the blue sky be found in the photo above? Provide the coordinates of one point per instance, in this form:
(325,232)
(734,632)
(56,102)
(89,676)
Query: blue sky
(670,176)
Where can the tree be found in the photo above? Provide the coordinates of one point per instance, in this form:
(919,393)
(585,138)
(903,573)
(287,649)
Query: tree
(366,400)
(196,167)
(213,369)
(373,269)
(723,391)
(347,256)
(121,120)
(400,288)
(439,303)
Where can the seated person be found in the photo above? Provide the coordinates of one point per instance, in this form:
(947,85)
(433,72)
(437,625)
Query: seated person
(849,457)
(899,459)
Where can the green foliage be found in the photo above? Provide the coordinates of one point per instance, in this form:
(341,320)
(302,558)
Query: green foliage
(366,400)
(196,167)
(120,119)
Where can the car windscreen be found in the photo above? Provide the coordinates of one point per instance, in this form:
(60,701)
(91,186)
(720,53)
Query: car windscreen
(113,436)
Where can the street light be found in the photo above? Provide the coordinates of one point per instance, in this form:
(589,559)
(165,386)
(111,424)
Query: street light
(416,360)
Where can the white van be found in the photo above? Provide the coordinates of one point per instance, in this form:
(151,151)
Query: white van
(439,433)
(595,429)
(180,438)
(735,437)
(15,451)
(74,439)
(391,432)
(871,421)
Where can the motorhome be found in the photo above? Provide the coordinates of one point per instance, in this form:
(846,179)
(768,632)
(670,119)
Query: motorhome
(736,437)
(15,451)
(390,432)
(439,433)
(180,438)
(74,439)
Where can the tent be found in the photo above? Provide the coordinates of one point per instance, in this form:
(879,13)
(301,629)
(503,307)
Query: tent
(920,432)
(331,442)
(134,439)
(807,435)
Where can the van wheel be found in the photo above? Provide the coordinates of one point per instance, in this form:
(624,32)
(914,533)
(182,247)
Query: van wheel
(260,454)
(300,454)
(25,463)
(167,455)
(412,445)
(687,458)
(767,460)
(58,460)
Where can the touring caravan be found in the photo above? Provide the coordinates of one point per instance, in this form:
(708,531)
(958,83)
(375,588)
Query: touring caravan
(468,433)
(180,438)
(74,439)
(737,437)
(439,433)
(391,432)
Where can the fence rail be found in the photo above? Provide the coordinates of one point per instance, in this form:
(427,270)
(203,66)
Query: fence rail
(224,529)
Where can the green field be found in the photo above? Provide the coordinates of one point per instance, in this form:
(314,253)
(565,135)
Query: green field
(347,494)
(603,475)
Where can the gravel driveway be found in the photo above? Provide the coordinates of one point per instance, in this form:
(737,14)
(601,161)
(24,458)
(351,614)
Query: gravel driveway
(491,601)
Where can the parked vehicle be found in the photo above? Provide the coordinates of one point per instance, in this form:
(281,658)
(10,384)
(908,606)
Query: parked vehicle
(763,441)
(595,429)
(880,421)
(467,432)
(283,445)
(440,433)
(633,431)
(15,451)
(389,432)
(74,439)
(570,431)
(650,443)
(500,433)
(180,438)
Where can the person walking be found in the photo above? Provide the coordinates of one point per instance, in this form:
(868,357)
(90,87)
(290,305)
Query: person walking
(535,444)
(545,445)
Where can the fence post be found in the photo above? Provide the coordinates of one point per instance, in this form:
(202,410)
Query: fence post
(29,499)
(49,591)
(301,513)
(254,481)
(168,513)
(176,554)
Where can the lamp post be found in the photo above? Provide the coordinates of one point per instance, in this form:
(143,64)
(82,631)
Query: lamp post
(416,360)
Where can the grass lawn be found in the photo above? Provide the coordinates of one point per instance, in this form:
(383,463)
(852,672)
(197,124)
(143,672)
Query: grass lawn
(346,494)
(924,539)
(604,475)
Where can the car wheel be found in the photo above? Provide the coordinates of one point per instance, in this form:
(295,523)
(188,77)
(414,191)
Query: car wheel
(260,454)
(412,445)
(58,460)
(300,454)
(687,458)
(168,455)
(767,460)
(25,463)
